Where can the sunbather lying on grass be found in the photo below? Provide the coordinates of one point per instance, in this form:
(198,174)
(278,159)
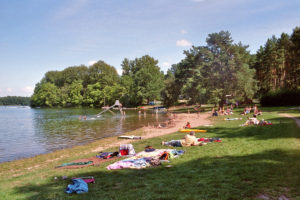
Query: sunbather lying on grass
(189,140)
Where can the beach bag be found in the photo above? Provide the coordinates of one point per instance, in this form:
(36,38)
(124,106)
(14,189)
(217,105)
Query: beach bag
(126,149)
(164,156)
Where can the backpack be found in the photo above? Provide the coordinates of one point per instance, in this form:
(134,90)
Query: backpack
(164,156)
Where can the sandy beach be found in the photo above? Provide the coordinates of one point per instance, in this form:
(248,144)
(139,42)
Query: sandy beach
(178,122)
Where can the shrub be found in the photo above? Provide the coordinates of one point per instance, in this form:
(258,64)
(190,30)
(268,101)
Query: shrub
(281,98)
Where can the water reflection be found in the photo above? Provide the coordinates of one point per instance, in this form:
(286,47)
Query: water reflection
(28,132)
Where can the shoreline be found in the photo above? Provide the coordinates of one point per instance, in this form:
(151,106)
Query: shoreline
(151,132)
(111,142)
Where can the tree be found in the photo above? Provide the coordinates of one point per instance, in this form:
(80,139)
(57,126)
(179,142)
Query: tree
(45,94)
(209,73)
(75,93)
(295,51)
(76,85)
(102,73)
(93,95)
(171,91)
(145,78)
(277,63)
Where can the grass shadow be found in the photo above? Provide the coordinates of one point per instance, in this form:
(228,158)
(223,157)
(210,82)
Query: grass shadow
(226,177)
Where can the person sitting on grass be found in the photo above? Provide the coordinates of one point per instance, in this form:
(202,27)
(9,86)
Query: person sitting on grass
(256,111)
(214,112)
(247,110)
(221,111)
(228,111)
(189,140)
(251,121)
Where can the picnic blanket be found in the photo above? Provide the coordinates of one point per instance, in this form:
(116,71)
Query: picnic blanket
(232,119)
(143,159)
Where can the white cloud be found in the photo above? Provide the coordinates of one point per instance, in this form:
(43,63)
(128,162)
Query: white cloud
(182,31)
(91,62)
(9,90)
(183,43)
(28,89)
(120,71)
(166,64)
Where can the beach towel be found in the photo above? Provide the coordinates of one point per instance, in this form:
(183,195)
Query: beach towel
(143,159)
(231,119)
(76,163)
(95,162)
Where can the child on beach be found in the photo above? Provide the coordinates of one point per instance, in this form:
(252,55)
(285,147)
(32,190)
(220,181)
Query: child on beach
(188,125)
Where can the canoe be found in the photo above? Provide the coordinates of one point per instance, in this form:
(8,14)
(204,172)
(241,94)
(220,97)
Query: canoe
(190,130)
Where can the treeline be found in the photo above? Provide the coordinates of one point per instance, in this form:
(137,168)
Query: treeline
(100,85)
(219,72)
(277,63)
(14,100)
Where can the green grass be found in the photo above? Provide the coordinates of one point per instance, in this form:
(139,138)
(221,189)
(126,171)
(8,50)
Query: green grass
(249,161)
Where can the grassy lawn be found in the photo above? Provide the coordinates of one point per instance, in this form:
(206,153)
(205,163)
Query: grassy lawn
(250,161)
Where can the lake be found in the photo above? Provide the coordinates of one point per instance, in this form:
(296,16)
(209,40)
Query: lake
(26,132)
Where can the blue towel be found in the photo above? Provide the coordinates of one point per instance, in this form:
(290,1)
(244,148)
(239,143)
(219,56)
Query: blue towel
(180,152)
(78,186)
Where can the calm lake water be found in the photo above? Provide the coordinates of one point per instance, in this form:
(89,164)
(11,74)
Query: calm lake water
(26,132)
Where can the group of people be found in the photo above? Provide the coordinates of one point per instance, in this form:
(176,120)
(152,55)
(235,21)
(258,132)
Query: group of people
(248,109)
(229,110)
(222,111)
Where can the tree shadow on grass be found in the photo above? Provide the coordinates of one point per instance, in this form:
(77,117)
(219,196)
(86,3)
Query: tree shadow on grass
(272,173)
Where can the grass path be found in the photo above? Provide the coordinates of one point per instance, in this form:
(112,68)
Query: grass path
(255,162)
(297,120)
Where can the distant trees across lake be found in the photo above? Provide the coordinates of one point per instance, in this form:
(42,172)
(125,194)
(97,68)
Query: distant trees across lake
(219,72)
(14,100)
(100,84)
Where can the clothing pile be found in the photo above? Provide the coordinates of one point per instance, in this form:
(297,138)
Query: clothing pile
(107,155)
(264,123)
(206,140)
(126,149)
(79,186)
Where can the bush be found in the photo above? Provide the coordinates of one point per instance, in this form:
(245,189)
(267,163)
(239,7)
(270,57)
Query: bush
(281,98)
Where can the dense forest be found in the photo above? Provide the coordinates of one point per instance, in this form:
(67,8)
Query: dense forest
(100,84)
(219,72)
(277,63)
(14,100)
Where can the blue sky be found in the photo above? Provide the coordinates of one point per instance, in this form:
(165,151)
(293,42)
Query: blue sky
(39,36)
